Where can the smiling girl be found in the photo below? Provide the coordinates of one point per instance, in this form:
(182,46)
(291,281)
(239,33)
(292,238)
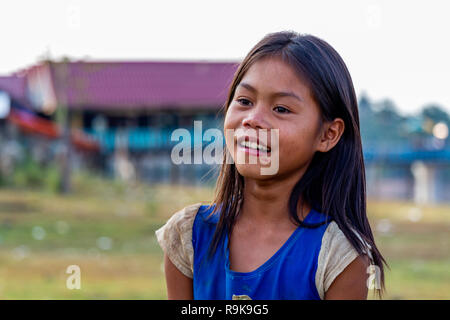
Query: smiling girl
(302,232)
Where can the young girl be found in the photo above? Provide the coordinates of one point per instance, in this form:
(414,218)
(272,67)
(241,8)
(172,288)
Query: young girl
(302,232)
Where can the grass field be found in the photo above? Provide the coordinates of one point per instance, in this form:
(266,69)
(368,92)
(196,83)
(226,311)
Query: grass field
(107,229)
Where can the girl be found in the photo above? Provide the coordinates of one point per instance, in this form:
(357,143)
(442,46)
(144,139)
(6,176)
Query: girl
(302,232)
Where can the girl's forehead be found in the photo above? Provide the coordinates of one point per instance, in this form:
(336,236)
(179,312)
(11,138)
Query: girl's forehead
(271,65)
(273,74)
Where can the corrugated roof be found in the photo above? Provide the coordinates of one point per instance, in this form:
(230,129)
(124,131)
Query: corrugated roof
(142,84)
(14,85)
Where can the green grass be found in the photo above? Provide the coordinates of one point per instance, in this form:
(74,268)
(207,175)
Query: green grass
(419,279)
(417,251)
(42,233)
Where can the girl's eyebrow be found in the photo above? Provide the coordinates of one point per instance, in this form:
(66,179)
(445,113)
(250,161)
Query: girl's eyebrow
(275,94)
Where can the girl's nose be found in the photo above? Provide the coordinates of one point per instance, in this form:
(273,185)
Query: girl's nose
(255,119)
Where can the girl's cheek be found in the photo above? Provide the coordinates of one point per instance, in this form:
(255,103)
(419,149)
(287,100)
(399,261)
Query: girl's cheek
(231,121)
(227,120)
(228,130)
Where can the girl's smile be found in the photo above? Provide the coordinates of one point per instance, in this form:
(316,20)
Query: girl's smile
(253,145)
(253,148)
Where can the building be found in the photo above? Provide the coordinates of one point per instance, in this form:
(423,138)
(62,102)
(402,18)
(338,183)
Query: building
(130,108)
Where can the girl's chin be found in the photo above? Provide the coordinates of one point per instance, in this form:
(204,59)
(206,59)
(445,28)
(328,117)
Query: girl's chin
(252,171)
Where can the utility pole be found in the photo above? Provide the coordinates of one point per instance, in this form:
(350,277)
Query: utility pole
(64,121)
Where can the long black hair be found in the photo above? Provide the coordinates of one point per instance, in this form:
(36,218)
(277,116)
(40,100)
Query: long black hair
(334,182)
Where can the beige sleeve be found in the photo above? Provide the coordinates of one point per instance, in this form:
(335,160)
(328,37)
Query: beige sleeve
(175,238)
(335,255)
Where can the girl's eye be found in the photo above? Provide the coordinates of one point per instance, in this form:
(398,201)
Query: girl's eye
(282,109)
(243,101)
(246,102)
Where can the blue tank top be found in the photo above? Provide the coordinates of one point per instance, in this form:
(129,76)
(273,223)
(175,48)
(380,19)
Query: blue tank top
(288,275)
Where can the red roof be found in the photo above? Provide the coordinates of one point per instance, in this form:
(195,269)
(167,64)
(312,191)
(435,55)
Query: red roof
(109,85)
(31,123)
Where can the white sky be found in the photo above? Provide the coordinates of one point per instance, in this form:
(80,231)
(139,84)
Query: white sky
(393,49)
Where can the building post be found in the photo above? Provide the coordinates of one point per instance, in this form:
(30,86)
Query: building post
(64,120)
(424,182)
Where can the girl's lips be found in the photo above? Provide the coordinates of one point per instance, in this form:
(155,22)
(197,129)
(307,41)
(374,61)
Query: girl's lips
(252,139)
(253,152)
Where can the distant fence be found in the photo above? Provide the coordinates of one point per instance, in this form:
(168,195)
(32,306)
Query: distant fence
(140,139)
(404,153)
(148,139)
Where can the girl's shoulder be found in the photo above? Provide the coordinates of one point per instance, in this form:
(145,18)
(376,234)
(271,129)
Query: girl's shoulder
(175,238)
(336,253)
(184,217)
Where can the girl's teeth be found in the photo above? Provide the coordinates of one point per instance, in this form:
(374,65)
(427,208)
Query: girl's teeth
(253,145)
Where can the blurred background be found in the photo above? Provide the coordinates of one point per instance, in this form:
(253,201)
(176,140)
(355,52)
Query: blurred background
(90,93)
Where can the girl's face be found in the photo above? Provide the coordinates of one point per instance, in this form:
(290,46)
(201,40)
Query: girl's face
(271,96)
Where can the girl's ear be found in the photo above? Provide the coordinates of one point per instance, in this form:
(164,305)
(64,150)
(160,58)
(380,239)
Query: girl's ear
(330,134)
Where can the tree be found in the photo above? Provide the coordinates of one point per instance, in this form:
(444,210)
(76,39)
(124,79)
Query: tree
(435,113)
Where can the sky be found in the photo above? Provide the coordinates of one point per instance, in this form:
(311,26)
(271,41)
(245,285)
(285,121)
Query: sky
(396,50)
